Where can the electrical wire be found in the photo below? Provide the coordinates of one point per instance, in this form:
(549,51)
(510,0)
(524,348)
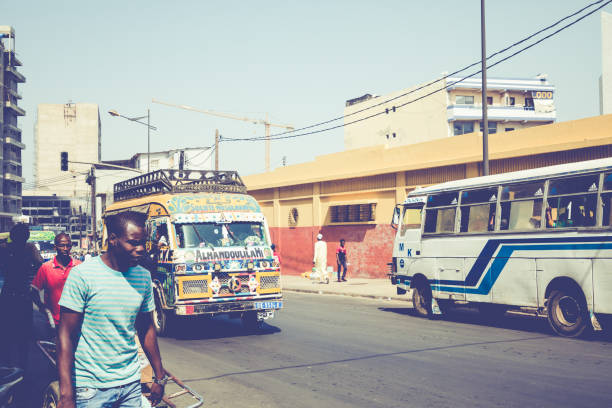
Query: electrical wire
(286,135)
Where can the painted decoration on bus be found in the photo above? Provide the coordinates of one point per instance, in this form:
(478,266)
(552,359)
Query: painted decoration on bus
(213,202)
(213,254)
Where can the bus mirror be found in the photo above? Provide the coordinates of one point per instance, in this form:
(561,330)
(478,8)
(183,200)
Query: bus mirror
(396,218)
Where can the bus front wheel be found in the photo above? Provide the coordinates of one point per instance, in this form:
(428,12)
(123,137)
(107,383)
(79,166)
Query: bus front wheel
(421,298)
(160,318)
(568,315)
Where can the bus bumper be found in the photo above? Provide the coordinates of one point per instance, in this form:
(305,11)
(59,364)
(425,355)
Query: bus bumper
(265,306)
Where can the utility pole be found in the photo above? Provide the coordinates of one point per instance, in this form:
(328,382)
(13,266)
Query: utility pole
(485,120)
(217,149)
(94,235)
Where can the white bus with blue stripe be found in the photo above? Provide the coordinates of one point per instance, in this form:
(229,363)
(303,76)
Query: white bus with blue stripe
(538,240)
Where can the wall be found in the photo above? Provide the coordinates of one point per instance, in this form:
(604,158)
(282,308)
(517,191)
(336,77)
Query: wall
(417,122)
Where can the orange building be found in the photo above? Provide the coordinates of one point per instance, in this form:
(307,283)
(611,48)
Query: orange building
(351,194)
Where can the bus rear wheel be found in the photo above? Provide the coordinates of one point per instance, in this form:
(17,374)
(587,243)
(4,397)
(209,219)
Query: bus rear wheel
(421,298)
(568,315)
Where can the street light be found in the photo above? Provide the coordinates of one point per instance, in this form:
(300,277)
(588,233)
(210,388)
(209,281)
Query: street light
(149,128)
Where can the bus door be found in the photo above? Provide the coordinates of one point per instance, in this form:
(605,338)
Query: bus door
(407,247)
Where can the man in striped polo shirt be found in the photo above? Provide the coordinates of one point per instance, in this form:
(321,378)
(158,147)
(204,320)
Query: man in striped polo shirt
(105,302)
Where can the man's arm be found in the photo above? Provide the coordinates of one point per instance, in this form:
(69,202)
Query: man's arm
(148,340)
(69,329)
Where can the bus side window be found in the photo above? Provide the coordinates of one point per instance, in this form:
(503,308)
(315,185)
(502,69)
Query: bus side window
(607,207)
(521,215)
(440,220)
(478,218)
(572,202)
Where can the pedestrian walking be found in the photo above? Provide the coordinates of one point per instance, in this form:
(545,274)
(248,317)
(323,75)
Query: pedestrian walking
(107,301)
(19,261)
(276,253)
(52,275)
(341,260)
(320,259)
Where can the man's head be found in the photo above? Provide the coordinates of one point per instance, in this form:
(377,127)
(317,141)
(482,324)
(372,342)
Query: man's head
(319,237)
(342,242)
(126,236)
(20,233)
(63,244)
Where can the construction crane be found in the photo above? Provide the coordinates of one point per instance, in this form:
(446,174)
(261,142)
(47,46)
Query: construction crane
(266,122)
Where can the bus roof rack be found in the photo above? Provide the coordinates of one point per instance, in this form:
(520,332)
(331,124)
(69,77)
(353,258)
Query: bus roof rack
(179,181)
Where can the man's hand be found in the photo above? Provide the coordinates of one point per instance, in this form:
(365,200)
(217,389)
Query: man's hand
(66,402)
(157,392)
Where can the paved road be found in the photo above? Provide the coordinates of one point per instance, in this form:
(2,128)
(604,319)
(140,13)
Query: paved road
(332,351)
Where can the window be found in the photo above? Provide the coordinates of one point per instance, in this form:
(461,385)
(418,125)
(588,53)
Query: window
(489,100)
(511,101)
(411,219)
(441,219)
(464,100)
(521,207)
(492,126)
(353,213)
(509,129)
(528,103)
(461,128)
(478,210)
(572,202)
(211,235)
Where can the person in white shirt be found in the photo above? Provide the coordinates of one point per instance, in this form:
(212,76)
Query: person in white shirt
(320,259)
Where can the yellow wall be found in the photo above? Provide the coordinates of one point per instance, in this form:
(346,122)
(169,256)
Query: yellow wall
(384,175)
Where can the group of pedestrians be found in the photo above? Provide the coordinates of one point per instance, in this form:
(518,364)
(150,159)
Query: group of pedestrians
(98,306)
(319,260)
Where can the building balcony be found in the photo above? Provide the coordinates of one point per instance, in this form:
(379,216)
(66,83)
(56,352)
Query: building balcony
(14,92)
(501,113)
(18,111)
(12,58)
(17,75)
(14,177)
(12,127)
(14,142)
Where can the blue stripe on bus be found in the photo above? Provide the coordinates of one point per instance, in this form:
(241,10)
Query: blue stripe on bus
(498,264)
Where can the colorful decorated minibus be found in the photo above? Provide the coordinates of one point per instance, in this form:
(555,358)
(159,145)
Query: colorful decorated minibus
(208,245)
(537,240)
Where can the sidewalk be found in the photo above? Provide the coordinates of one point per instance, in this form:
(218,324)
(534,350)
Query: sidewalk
(358,287)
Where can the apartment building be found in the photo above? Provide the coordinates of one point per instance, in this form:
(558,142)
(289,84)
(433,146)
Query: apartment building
(10,133)
(59,214)
(449,107)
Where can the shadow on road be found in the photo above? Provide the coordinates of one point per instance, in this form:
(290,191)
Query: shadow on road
(361,358)
(512,321)
(201,328)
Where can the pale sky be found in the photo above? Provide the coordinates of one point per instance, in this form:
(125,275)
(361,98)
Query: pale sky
(299,61)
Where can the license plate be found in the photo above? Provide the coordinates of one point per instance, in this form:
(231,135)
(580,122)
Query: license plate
(268,305)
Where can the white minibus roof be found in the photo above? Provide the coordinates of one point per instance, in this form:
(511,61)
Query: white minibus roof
(518,176)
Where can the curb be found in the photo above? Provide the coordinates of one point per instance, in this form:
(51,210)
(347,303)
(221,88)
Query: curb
(321,292)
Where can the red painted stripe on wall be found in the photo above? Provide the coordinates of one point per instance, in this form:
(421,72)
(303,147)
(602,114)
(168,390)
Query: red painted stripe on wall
(369,248)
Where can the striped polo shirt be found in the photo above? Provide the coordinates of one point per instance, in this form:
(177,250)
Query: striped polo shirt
(106,354)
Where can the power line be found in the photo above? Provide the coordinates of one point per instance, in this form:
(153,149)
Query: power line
(285,135)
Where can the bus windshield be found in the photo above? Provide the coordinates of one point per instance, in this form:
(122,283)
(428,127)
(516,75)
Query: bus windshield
(200,235)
